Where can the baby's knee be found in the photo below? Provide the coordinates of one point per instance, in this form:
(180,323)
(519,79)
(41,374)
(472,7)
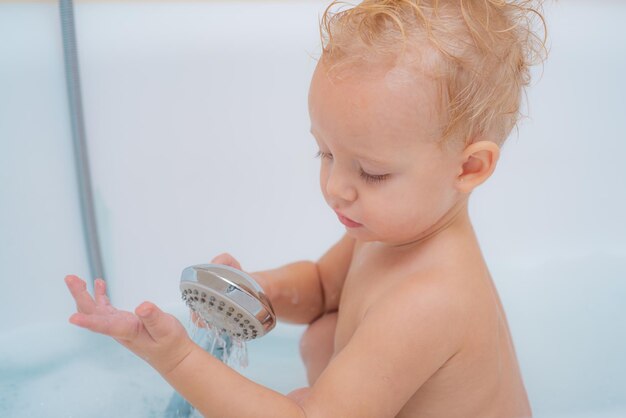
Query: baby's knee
(299,395)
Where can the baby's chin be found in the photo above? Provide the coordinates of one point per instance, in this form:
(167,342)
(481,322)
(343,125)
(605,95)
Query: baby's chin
(364,234)
(361,233)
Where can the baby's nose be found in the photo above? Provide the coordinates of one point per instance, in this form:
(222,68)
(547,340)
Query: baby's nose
(338,187)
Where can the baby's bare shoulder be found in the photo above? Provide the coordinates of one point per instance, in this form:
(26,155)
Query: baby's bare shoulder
(438,294)
(440,309)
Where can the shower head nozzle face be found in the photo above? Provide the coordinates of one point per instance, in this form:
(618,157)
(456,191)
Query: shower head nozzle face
(227,299)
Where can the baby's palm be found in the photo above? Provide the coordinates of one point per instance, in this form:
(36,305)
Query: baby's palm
(99,315)
(149,332)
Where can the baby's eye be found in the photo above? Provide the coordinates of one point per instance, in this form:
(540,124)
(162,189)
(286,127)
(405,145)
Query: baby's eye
(324,155)
(373,178)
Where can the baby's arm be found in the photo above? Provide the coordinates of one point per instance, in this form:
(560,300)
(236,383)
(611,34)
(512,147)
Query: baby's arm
(302,291)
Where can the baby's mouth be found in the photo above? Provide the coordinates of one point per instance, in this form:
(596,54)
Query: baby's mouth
(347,221)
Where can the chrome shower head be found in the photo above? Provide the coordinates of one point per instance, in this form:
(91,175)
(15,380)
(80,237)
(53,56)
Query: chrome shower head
(228,299)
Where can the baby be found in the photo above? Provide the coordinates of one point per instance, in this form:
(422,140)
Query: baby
(410,103)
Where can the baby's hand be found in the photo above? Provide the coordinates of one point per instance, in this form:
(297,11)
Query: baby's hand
(231,261)
(157,337)
(227,259)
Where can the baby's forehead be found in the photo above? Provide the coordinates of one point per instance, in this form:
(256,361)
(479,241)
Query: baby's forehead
(402,87)
(417,72)
(376,108)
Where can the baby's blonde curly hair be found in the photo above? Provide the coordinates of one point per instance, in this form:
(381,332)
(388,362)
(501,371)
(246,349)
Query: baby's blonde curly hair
(479,51)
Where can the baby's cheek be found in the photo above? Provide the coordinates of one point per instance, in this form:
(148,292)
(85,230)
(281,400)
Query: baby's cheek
(382,217)
(392,207)
(402,215)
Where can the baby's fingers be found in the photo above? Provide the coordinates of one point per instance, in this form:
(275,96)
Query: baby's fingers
(100,292)
(227,259)
(156,322)
(114,326)
(78,289)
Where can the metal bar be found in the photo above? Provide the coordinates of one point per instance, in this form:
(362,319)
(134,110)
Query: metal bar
(81,159)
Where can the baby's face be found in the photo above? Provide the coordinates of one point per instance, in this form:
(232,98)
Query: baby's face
(380,165)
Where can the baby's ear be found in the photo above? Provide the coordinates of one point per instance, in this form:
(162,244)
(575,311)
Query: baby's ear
(478,162)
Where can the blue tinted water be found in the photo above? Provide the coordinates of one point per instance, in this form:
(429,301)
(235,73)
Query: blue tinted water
(56,370)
